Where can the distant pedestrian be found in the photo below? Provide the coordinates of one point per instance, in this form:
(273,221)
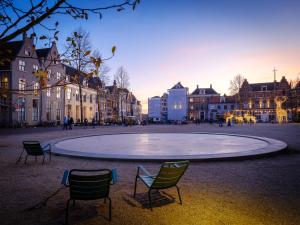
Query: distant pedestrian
(221,122)
(66,122)
(229,123)
(93,122)
(71,122)
(85,123)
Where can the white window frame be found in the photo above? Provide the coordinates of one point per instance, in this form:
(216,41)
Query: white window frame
(22,84)
(22,65)
(49,73)
(35,67)
(58,90)
(48,92)
(69,93)
(58,75)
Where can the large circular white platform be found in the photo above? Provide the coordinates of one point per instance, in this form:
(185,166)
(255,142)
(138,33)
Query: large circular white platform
(167,146)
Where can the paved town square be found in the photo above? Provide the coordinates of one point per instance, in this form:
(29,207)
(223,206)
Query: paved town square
(260,190)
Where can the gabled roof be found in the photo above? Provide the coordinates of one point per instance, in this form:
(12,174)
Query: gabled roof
(207,91)
(258,86)
(177,86)
(8,52)
(43,52)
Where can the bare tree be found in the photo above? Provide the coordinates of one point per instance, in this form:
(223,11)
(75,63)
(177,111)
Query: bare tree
(100,74)
(235,87)
(79,48)
(103,71)
(17,17)
(122,78)
(294,82)
(236,84)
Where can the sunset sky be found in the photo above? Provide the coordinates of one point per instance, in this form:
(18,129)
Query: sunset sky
(197,42)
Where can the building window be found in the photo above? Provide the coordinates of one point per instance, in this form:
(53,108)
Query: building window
(35,68)
(91,98)
(84,97)
(232,107)
(58,75)
(264,88)
(58,114)
(268,103)
(27,52)
(58,92)
(192,107)
(48,92)
(69,92)
(260,103)
(21,65)
(77,95)
(67,78)
(250,104)
(225,107)
(4,82)
(21,109)
(22,85)
(35,110)
(49,73)
(191,100)
(35,88)
(84,83)
(48,110)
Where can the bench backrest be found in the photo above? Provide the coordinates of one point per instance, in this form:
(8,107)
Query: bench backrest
(169,174)
(89,184)
(33,147)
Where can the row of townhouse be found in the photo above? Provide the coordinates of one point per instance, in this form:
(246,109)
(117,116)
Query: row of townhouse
(24,101)
(205,104)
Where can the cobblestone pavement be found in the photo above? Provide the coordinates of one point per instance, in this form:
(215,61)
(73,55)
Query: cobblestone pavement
(254,191)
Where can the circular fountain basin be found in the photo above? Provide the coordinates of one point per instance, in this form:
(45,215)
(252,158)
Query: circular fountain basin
(167,146)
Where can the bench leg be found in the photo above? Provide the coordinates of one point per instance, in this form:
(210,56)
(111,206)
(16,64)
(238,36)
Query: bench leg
(179,194)
(149,197)
(67,212)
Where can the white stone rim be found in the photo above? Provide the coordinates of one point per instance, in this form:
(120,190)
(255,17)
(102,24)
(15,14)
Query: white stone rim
(273,146)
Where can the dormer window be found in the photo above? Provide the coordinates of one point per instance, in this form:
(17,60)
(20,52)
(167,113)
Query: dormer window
(264,88)
(67,78)
(27,52)
(84,82)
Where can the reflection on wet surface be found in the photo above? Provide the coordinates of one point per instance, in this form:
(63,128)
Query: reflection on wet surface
(162,144)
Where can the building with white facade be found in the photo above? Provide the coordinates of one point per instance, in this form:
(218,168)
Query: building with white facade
(154,106)
(177,103)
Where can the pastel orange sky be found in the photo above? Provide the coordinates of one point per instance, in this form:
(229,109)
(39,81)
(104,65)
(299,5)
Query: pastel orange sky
(199,42)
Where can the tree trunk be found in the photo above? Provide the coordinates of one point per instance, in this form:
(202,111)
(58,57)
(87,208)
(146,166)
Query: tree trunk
(99,108)
(80,98)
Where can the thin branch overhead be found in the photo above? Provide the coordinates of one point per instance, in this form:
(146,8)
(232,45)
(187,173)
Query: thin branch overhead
(17,17)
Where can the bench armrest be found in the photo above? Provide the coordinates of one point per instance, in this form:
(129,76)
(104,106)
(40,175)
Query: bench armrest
(143,169)
(47,148)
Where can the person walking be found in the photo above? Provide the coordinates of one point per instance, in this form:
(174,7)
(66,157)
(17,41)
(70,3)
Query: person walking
(71,122)
(93,122)
(85,123)
(66,121)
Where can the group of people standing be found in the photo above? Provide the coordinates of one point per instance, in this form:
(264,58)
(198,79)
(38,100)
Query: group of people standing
(68,123)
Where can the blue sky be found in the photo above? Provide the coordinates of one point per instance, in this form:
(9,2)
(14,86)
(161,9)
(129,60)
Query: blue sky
(196,42)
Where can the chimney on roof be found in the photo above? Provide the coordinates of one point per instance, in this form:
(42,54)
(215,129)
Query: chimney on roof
(24,36)
(197,86)
(210,86)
